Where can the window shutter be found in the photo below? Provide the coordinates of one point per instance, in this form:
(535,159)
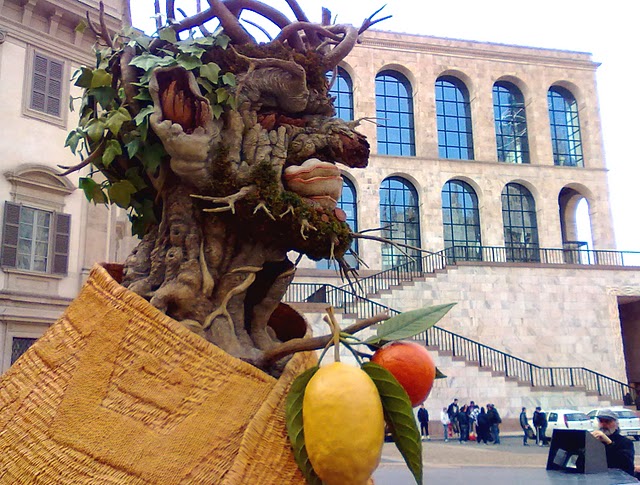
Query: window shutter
(54,90)
(61,243)
(46,86)
(10,235)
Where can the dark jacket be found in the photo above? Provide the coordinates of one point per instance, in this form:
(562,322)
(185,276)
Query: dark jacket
(452,411)
(423,415)
(539,419)
(524,422)
(620,453)
(494,417)
(463,418)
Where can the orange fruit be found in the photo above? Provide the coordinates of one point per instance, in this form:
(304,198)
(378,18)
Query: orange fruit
(411,364)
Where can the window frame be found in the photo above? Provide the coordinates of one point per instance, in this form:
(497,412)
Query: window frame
(341,90)
(527,251)
(61,119)
(471,249)
(506,131)
(387,129)
(573,129)
(447,150)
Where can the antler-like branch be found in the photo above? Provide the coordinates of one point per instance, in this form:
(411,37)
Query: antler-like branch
(230,23)
(103,32)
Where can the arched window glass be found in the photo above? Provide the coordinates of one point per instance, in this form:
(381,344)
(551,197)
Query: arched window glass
(348,203)
(453,111)
(565,128)
(511,123)
(520,224)
(394,112)
(342,90)
(399,218)
(461,221)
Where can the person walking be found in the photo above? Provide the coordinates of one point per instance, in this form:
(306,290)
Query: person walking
(494,423)
(444,419)
(540,423)
(482,427)
(473,410)
(423,418)
(524,424)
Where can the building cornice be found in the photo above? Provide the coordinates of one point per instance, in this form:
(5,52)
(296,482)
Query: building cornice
(479,50)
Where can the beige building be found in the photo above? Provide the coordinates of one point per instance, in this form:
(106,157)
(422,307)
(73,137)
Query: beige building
(51,235)
(480,155)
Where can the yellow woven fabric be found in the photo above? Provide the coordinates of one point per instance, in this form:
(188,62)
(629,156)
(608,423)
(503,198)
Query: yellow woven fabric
(116,392)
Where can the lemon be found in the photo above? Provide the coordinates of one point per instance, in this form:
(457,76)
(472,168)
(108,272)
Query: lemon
(343,424)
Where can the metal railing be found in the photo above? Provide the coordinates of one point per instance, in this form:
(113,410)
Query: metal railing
(570,254)
(483,355)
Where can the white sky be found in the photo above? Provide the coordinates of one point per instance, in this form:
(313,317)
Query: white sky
(608,30)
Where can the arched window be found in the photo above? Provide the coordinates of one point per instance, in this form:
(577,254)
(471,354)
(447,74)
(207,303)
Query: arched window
(348,203)
(520,224)
(453,111)
(511,123)
(461,221)
(342,90)
(565,128)
(399,218)
(394,112)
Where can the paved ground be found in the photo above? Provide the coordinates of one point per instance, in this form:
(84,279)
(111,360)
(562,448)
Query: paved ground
(454,463)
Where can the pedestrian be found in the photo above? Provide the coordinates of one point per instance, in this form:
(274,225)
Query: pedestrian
(446,422)
(494,423)
(463,424)
(540,423)
(423,417)
(473,412)
(482,427)
(526,427)
(452,411)
(619,449)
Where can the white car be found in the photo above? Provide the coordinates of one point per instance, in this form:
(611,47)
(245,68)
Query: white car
(567,419)
(628,421)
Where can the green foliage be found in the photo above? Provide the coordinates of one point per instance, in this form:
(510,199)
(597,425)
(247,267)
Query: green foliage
(129,152)
(293,416)
(409,324)
(398,414)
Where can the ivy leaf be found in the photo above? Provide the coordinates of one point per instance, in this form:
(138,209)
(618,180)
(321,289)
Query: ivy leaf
(152,156)
(116,119)
(84,78)
(190,49)
(92,190)
(399,416)
(147,61)
(229,79)
(409,324)
(216,110)
(168,34)
(208,87)
(133,176)
(210,71)
(223,40)
(144,112)
(100,78)
(188,62)
(111,151)
(222,94)
(103,95)
(95,129)
(295,430)
(143,95)
(73,138)
(120,193)
(133,147)
(440,375)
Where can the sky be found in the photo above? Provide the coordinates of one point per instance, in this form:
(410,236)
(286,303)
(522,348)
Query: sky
(607,30)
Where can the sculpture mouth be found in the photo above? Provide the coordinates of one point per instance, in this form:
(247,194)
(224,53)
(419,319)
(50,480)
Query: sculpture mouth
(180,100)
(316,180)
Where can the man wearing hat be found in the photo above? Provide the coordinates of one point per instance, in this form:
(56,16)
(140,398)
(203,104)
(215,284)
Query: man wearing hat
(619,449)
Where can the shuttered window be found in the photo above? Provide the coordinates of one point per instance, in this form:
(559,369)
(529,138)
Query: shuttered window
(46,85)
(35,239)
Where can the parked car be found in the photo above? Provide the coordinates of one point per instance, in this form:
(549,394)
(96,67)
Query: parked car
(628,421)
(567,419)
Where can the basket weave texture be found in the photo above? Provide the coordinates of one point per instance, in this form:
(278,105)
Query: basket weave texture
(116,392)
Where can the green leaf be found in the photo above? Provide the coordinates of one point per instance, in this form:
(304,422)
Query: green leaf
(210,71)
(133,176)
(143,95)
(95,129)
(223,40)
(191,49)
(133,147)
(408,324)
(111,151)
(152,156)
(440,375)
(100,78)
(188,62)
(399,416)
(143,114)
(103,95)
(222,94)
(148,61)
(120,193)
(216,110)
(116,119)
(73,138)
(295,430)
(84,78)
(208,87)
(229,79)
(168,34)
(92,190)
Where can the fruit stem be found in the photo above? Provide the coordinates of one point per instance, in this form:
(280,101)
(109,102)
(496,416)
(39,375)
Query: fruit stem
(355,353)
(335,330)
